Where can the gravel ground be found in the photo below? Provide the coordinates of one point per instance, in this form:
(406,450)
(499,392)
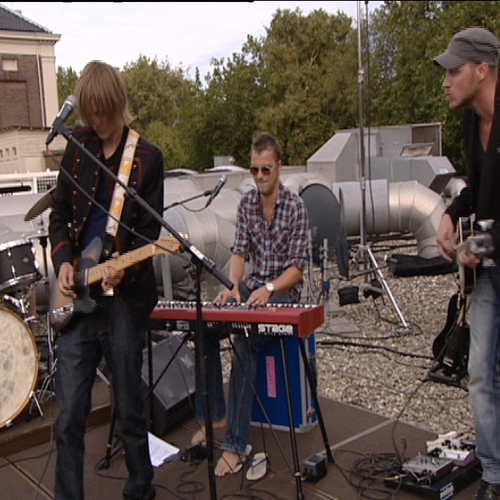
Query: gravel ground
(381,366)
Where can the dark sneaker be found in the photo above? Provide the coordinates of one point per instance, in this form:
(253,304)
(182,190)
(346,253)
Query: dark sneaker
(488,491)
(151,495)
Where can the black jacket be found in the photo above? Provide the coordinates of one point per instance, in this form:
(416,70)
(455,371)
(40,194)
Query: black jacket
(71,209)
(482,194)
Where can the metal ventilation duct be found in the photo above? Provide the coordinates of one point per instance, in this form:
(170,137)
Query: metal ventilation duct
(401,206)
(396,153)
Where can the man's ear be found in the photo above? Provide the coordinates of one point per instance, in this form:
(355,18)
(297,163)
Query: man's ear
(482,70)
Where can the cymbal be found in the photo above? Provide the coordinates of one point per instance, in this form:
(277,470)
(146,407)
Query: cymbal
(42,234)
(41,205)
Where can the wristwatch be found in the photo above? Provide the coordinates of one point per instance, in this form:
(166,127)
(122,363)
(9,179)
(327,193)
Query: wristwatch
(270,287)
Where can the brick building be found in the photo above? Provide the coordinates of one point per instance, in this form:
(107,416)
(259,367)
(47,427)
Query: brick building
(28,95)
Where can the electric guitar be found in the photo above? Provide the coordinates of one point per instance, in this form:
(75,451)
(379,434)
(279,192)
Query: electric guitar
(63,309)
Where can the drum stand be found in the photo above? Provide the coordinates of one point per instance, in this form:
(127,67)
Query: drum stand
(46,389)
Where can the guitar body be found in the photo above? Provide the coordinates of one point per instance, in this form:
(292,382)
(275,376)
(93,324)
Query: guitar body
(451,346)
(439,344)
(88,273)
(63,308)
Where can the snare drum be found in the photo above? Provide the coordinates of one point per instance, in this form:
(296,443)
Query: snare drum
(18,266)
(18,366)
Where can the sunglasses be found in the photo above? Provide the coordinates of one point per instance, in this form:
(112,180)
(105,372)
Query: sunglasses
(265,170)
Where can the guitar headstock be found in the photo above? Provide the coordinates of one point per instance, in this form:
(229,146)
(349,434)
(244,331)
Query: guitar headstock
(166,245)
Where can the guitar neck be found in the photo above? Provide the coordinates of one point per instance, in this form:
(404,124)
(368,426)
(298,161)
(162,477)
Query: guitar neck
(467,275)
(95,273)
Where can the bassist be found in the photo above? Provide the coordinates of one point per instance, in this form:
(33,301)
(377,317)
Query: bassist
(471,81)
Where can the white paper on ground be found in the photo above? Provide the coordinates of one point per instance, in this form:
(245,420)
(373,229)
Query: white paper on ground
(160,450)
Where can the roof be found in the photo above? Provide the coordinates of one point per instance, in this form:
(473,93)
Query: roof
(13,21)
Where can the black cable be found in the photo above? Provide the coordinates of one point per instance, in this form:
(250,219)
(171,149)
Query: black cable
(371,346)
(195,486)
(367,471)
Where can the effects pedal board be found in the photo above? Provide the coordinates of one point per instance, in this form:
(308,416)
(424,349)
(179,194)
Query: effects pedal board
(449,466)
(442,488)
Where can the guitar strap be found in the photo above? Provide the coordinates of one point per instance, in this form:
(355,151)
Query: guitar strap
(118,199)
(116,207)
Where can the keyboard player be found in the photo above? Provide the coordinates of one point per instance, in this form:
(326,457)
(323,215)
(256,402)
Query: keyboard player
(271,233)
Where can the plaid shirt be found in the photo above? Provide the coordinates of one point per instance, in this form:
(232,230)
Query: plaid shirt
(276,246)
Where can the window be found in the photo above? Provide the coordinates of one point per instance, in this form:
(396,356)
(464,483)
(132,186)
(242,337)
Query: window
(10,64)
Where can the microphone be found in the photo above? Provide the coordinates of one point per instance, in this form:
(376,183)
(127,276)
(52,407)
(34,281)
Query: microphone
(217,188)
(69,105)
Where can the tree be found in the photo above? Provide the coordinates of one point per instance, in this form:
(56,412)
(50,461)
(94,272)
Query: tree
(309,72)
(157,94)
(406,86)
(227,111)
(66,81)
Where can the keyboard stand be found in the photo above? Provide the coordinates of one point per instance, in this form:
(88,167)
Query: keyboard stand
(313,385)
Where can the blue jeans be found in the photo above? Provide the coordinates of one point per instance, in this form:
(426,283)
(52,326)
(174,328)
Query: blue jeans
(107,331)
(484,377)
(241,384)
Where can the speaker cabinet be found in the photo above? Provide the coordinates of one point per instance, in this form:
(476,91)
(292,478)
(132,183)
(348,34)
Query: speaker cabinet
(172,400)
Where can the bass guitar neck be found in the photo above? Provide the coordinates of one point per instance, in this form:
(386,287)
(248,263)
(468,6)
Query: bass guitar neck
(466,275)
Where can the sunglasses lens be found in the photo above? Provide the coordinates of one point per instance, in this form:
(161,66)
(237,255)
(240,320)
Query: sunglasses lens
(264,170)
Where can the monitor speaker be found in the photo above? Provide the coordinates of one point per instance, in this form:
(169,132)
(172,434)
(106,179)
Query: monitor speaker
(172,399)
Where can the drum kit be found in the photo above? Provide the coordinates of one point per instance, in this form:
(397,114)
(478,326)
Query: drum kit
(27,352)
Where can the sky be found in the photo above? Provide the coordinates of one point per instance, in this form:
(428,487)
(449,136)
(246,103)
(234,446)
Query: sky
(187,34)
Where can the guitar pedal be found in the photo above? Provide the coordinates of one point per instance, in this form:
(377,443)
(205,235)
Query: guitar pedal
(428,466)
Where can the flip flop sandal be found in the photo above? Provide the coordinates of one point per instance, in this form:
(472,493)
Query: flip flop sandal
(258,467)
(243,461)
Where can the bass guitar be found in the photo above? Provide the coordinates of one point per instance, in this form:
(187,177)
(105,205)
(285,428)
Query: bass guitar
(62,309)
(451,346)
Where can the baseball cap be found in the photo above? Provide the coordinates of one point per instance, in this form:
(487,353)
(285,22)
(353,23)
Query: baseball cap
(472,44)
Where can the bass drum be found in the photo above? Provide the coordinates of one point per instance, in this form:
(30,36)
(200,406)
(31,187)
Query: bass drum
(18,366)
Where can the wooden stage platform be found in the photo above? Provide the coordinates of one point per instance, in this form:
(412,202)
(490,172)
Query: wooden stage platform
(360,441)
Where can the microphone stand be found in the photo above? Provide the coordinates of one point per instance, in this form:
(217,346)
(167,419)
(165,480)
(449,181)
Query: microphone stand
(201,261)
(208,192)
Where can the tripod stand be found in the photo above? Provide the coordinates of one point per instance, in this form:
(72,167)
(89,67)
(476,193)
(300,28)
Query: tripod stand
(368,254)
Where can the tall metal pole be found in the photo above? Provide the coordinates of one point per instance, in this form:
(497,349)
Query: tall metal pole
(364,250)
(362,179)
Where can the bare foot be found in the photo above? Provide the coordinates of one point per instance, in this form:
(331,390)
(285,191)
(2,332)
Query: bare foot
(229,463)
(200,436)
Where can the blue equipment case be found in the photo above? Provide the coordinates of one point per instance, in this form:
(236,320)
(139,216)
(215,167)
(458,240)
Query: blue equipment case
(270,385)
